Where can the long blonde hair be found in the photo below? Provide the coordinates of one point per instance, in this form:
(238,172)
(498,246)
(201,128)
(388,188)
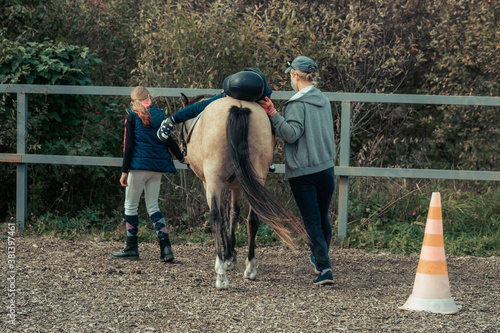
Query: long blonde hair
(138,95)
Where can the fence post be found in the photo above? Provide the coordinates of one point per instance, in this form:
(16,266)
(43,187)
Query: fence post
(22,168)
(345,152)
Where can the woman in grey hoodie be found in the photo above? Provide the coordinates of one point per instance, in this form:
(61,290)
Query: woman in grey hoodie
(307,129)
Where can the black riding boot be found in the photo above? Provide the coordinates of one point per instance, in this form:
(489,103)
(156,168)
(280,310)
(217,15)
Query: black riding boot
(166,253)
(130,252)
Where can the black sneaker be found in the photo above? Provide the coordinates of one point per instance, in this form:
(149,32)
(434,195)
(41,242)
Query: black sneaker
(165,129)
(313,261)
(324,278)
(272,168)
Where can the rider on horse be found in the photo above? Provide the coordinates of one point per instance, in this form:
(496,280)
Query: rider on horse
(248,85)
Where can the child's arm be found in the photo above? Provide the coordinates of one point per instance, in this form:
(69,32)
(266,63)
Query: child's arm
(191,111)
(174,148)
(183,115)
(128,143)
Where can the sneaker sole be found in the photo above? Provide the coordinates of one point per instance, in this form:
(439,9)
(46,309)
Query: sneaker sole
(320,283)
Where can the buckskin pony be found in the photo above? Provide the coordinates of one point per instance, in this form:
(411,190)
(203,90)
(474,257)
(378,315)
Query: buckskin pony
(230,147)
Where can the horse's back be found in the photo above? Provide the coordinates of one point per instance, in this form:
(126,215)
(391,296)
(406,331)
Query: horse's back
(218,112)
(208,149)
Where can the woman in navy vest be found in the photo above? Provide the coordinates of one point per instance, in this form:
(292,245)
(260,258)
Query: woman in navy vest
(145,158)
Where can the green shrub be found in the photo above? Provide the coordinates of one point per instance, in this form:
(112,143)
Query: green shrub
(84,224)
(107,28)
(26,19)
(58,125)
(396,222)
(423,47)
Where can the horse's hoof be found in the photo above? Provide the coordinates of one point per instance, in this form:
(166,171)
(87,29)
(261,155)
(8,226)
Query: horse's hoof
(222,282)
(250,275)
(251,271)
(231,263)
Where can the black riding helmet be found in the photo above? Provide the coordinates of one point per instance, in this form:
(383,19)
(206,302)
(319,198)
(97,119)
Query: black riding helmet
(267,90)
(245,85)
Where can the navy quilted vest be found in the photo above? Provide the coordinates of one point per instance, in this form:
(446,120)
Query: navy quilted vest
(149,152)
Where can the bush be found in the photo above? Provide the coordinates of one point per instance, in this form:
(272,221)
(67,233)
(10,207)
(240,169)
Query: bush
(107,28)
(27,20)
(58,125)
(383,220)
(420,47)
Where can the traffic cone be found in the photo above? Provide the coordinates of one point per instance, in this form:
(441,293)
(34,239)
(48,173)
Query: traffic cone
(431,290)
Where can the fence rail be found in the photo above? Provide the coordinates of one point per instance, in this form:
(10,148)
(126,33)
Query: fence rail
(342,170)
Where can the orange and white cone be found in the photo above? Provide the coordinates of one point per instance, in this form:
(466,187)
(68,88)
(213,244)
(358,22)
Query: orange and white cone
(431,290)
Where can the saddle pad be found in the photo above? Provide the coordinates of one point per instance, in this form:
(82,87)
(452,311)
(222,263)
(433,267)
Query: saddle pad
(192,126)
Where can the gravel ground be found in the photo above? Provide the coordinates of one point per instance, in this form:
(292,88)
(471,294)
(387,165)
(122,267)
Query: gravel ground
(75,286)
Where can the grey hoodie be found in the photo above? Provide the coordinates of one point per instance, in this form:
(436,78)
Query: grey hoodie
(307,128)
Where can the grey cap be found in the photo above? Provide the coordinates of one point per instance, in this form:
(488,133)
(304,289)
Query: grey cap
(303,64)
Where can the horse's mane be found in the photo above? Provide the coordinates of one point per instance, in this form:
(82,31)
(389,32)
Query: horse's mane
(198,98)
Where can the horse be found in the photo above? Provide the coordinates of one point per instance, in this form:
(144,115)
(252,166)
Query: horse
(231,148)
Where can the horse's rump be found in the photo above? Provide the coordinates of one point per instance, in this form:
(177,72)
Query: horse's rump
(208,151)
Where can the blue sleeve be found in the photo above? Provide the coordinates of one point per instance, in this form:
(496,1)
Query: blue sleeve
(192,111)
(174,148)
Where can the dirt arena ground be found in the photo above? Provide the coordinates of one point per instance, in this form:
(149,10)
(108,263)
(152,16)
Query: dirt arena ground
(75,286)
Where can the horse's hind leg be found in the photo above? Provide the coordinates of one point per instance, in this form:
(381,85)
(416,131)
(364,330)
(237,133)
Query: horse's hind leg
(216,224)
(251,262)
(233,223)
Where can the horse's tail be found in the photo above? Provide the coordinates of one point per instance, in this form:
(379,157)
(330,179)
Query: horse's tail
(270,210)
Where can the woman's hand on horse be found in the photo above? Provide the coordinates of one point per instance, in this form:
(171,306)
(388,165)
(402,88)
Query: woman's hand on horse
(186,160)
(123,179)
(268,106)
